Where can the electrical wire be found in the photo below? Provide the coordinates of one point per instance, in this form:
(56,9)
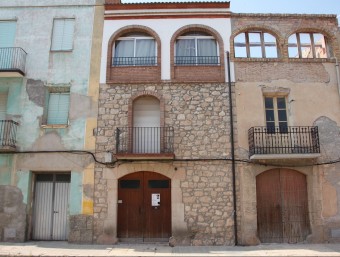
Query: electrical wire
(61,151)
(93,155)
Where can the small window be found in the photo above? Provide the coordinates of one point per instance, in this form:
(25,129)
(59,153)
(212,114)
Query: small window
(58,108)
(196,48)
(62,35)
(129,184)
(308,45)
(159,184)
(276,114)
(255,44)
(137,49)
(7,33)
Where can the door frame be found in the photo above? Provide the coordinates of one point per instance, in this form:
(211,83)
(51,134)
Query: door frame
(288,198)
(247,212)
(32,199)
(145,204)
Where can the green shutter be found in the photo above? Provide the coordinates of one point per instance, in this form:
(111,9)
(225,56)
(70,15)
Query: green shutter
(58,107)
(7,33)
(62,37)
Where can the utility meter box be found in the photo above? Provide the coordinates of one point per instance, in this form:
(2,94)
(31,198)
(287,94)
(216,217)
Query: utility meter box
(155,200)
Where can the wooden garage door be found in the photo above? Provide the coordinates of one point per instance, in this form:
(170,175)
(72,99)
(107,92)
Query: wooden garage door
(282,206)
(138,216)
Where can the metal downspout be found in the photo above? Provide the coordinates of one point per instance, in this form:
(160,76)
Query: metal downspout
(337,73)
(232,143)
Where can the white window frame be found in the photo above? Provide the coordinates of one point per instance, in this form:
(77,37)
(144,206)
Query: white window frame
(196,38)
(68,47)
(134,39)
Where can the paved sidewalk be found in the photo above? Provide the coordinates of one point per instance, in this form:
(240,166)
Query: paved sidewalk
(66,249)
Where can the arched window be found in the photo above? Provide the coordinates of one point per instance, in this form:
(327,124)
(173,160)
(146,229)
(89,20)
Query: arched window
(308,45)
(134,49)
(146,125)
(196,48)
(255,44)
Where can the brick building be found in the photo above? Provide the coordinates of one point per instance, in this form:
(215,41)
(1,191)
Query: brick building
(288,110)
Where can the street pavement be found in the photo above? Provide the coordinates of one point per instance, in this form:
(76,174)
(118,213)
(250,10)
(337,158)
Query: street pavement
(39,248)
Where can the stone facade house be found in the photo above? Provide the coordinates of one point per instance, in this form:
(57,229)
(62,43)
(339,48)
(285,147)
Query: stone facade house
(49,58)
(164,115)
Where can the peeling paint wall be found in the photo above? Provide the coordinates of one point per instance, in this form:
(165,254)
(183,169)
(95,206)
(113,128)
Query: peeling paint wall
(77,71)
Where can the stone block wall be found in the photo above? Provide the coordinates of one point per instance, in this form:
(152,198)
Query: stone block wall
(208,203)
(201,174)
(198,112)
(12,215)
(81,229)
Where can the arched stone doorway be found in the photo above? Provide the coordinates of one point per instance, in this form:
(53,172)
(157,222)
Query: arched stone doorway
(282,206)
(144,207)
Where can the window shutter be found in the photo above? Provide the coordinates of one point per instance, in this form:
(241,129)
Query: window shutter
(62,37)
(3,106)
(68,35)
(7,33)
(58,107)
(57,37)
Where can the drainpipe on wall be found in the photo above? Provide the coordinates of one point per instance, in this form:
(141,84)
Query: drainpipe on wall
(337,73)
(232,143)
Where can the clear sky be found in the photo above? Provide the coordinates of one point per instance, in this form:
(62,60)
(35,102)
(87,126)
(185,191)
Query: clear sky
(271,6)
(286,6)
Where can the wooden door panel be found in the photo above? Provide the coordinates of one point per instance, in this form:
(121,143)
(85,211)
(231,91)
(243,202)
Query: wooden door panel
(157,218)
(282,206)
(294,200)
(130,201)
(137,218)
(269,207)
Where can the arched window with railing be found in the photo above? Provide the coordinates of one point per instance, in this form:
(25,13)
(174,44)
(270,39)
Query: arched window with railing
(196,48)
(134,49)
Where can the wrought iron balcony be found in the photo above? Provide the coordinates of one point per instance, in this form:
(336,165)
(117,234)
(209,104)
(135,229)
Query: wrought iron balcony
(145,140)
(134,61)
(12,61)
(284,142)
(8,131)
(197,60)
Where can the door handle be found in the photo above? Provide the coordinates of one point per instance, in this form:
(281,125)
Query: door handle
(55,212)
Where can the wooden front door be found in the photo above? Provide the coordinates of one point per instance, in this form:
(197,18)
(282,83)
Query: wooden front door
(282,206)
(144,206)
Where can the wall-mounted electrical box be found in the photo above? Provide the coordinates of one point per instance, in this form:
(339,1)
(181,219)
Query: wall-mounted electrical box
(155,200)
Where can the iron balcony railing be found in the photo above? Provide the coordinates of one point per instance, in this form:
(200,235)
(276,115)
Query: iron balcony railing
(12,59)
(8,131)
(144,140)
(283,140)
(134,61)
(197,60)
